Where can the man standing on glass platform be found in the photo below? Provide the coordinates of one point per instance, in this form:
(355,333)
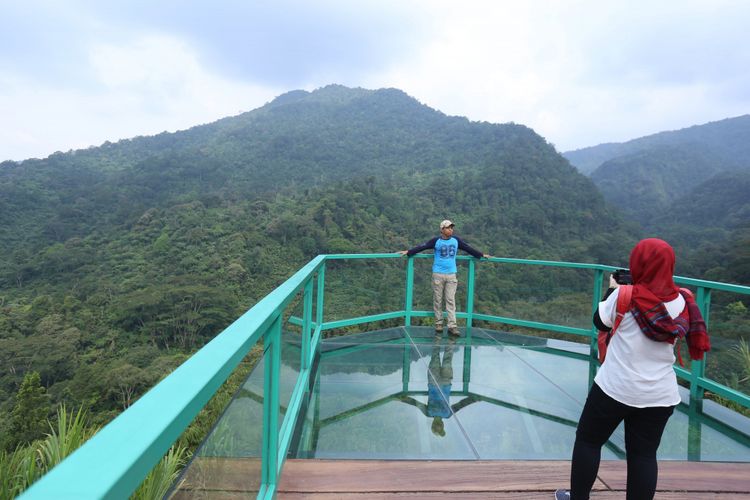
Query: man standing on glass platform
(444,282)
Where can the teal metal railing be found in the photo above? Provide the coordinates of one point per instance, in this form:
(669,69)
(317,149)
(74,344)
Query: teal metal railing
(114,462)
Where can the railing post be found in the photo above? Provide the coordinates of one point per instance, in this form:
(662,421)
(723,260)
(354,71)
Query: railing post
(319,301)
(470,299)
(406,369)
(698,367)
(409,289)
(593,345)
(272,366)
(306,323)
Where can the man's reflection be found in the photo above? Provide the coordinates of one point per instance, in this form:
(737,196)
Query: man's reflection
(439,379)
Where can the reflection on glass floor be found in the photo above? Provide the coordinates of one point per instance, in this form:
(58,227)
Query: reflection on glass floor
(404,393)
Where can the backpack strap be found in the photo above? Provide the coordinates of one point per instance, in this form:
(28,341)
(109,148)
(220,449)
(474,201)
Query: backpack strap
(624,296)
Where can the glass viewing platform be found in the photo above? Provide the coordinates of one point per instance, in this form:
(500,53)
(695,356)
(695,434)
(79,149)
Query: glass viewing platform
(352,369)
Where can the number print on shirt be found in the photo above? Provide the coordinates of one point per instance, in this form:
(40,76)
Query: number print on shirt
(447,251)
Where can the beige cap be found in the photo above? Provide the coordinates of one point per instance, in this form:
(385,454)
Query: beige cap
(446,223)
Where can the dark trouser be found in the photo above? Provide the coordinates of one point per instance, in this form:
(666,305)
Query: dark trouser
(643,430)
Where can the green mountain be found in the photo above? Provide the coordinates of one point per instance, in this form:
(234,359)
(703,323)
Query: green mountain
(122,259)
(645,183)
(727,140)
(710,227)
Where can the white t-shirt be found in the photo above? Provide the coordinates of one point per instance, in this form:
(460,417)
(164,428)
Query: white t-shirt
(637,370)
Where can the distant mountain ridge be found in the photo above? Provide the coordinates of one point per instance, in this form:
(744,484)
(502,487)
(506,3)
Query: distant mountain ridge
(726,139)
(645,176)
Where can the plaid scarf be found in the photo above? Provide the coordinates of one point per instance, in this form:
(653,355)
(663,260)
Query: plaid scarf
(658,325)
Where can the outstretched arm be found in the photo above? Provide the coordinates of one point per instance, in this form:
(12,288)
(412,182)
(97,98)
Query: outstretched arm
(420,248)
(462,245)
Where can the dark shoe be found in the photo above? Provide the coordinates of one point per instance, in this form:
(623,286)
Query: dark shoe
(454,332)
(562,495)
(438,329)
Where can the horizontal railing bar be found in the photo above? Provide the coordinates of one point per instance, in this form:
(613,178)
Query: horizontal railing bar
(352,348)
(533,324)
(516,322)
(297,321)
(115,460)
(548,263)
(714,285)
(362,319)
(357,256)
(682,372)
(430,314)
(724,391)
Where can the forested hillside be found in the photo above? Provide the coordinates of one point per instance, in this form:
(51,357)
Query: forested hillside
(710,227)
(646,183)
(123,259)
(727,140)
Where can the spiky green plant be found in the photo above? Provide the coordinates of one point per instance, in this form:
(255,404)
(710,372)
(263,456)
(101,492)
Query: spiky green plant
(18,469)
(741,351)
(72,431)
(161,477)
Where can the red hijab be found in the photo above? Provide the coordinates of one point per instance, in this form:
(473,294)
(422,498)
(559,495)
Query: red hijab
(652,268)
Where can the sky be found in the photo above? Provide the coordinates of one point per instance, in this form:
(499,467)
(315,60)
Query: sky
(75,73)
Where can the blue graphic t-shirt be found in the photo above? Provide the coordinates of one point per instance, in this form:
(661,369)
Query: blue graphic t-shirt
(445,253)
(445,256)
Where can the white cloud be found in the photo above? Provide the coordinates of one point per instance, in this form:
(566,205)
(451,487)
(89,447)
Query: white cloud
(580,72)
(143,87)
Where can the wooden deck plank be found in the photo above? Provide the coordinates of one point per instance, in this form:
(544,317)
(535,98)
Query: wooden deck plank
(373,476)
(680,476)
(521,495)
(231,479)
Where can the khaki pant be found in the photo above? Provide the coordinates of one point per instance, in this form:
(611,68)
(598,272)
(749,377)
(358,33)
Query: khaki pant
(444,287)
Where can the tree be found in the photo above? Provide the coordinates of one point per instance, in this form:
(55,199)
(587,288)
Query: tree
(28,419)
(126,383)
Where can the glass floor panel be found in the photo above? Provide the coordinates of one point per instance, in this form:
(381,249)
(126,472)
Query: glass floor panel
(403,393)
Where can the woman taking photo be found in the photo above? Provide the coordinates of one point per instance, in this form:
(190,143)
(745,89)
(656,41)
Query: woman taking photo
(636,383)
